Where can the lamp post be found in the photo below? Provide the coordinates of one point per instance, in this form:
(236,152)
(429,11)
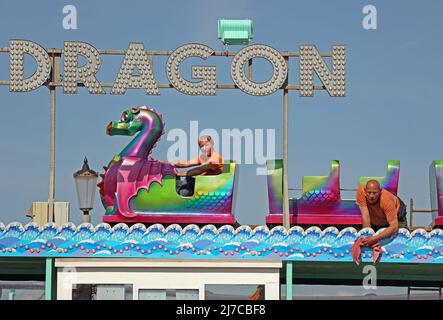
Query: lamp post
(239,32)
(85,184)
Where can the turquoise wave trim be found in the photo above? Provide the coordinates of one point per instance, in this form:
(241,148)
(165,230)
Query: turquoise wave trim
(209,242)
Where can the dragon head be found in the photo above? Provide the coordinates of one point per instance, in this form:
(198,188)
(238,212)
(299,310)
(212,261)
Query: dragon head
(128,125)
(150,125)
(143,120)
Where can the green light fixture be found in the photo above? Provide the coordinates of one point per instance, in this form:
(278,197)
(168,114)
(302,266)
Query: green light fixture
(235,32)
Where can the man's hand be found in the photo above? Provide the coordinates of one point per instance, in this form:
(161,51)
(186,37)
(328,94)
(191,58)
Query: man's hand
(369,241)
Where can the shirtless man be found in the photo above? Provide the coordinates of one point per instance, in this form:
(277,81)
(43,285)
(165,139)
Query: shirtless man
(380,209)
(210,162)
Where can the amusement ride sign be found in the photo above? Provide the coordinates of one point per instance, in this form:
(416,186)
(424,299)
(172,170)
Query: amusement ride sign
(137,58)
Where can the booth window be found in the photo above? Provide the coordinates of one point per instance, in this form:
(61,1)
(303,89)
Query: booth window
(22,290)
(234,292)
(102,292)
(168,294)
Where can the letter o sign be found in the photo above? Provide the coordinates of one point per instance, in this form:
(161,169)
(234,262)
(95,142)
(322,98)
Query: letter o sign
(280,70)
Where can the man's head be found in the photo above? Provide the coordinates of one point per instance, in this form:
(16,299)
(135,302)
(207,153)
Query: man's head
(372,191)
(205,144)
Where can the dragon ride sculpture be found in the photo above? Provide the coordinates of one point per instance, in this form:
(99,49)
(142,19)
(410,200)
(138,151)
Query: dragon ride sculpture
(137,188)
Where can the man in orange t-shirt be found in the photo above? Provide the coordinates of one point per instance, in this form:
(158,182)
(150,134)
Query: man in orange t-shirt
(380,209)
(210,162)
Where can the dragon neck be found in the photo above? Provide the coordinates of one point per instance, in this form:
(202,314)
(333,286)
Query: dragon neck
(143,143)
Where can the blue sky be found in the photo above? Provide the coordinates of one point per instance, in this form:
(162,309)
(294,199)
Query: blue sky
(393,108)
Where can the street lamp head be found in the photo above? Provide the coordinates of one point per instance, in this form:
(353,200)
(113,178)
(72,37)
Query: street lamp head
(85,170)
(85,183)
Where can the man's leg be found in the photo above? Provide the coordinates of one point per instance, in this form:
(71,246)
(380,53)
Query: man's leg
(185,185)
(402,214)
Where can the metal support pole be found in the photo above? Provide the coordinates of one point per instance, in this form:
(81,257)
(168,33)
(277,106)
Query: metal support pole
(51,198)
(250,70)
(286,222)
(86,218)
(49,279)
(289,280)
(151,61)
(55,77)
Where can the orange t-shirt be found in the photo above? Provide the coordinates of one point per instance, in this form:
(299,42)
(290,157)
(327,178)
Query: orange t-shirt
(215,161)
(384,210)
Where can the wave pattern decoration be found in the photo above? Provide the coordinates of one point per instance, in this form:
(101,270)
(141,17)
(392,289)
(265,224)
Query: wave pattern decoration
(209,242)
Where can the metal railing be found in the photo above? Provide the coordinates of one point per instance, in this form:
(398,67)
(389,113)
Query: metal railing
(341,189)
(411,213)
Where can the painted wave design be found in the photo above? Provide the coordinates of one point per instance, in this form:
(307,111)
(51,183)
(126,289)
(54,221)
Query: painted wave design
(156,241)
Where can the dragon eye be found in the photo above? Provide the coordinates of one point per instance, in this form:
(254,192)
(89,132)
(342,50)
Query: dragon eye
(135,110)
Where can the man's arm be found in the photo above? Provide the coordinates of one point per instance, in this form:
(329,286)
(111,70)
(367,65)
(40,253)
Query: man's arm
(391,214)
(389,231)
(182,164)
(360,200)
(365,218)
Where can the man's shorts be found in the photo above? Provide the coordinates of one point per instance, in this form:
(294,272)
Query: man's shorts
(185,186)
